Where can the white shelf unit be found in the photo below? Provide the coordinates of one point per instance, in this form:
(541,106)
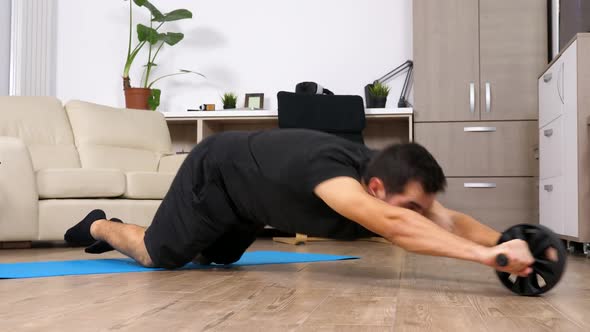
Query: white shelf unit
(564,142)
(384,126)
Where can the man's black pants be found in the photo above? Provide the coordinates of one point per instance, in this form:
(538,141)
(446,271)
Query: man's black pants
(197,217)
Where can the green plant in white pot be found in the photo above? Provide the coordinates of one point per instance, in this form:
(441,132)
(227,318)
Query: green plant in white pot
(229,100)
(146,97)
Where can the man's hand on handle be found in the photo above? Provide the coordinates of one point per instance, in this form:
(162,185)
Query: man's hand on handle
(519,257)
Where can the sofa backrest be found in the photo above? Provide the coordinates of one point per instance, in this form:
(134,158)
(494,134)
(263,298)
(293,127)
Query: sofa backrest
(41,122)
(126,139)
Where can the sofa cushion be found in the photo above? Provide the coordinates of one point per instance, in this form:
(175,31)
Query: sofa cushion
(80,183)
(171,164)
(106,137)
(148,185)
(41,123)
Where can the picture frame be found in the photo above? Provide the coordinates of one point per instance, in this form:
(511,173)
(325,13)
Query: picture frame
(254,101)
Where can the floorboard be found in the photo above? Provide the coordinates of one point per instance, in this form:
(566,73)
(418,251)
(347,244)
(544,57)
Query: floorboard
(386,290)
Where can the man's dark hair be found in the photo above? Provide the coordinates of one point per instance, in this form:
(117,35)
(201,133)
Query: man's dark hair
(398,164)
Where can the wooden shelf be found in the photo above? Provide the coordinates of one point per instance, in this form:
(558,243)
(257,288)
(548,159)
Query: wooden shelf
(268,113)
(384,125)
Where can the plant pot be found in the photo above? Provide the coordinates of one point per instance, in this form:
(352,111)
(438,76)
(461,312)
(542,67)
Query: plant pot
(379,102)
(229,107)
(373,101)
(137,98)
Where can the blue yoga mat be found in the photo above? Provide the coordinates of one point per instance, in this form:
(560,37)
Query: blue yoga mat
(125,265)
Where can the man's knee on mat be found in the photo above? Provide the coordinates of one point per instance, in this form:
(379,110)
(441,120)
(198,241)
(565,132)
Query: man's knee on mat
(223,258)
(166,258)
(145,261)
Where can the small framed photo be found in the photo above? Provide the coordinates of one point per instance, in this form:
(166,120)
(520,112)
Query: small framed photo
(254,100)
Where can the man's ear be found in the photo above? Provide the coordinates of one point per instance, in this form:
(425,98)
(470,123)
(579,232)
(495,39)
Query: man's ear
(377,188)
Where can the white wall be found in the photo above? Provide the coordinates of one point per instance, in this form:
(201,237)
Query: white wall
(4,47)
(241,46)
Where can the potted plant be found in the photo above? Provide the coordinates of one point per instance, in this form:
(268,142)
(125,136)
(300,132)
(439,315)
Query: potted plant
(376,95)
(229,100)
(145,97)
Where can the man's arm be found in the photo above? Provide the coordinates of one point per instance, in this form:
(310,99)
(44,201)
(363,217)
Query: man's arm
(400,226)
(462,225)
(413,231)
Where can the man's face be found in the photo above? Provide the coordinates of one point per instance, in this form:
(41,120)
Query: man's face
(413,197)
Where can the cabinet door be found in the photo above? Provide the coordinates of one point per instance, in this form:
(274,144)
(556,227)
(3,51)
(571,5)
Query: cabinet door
(551,149)
(496,202)
(446,60)
(513,52)
(551,203)
(503,148)
(550,97)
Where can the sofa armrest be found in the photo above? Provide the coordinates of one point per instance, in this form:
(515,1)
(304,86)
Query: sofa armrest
(19,201)
(171,164)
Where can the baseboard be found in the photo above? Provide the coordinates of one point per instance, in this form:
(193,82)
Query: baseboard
(16,245)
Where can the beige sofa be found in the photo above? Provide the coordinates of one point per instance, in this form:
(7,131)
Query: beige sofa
(59,162)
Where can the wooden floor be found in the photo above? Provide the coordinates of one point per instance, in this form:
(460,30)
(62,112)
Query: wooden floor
(386,290)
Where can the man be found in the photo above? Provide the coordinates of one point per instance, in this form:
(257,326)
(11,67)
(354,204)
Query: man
(300,181)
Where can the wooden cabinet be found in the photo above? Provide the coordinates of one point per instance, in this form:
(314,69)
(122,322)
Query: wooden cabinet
(478,60)
(564,142)
(476,101)
(496,202)
(505,148)
(446,60)
(513,51)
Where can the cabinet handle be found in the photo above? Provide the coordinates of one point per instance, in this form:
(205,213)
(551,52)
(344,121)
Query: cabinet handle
(479,129)
(548,187)
(548,132)
(547,77)
(484,185)
(472,97)
(488,97)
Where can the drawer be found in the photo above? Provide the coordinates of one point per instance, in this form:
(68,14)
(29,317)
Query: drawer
(551,204)
(496,202)
(466,149)
(550,93)
(551,149)
(559,175)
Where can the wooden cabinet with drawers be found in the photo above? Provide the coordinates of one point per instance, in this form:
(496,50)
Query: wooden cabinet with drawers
(499,202)
(476,101)
(463,149)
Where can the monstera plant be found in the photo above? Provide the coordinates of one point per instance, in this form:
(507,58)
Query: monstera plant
(154,39)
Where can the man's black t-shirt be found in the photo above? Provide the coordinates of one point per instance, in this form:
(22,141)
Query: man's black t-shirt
(269,178)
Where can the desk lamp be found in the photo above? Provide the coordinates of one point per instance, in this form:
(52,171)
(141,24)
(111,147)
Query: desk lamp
(403,102)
